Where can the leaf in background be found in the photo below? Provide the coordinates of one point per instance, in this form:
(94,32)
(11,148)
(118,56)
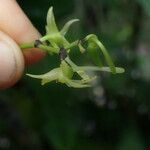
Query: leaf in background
(145,4)
(131,141)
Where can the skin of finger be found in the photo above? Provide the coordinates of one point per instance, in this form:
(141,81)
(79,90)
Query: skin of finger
(33,55)
(18,66)
(14,22)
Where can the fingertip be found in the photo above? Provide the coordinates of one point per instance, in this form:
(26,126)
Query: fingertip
(16,24)
(11,62)
(33,55)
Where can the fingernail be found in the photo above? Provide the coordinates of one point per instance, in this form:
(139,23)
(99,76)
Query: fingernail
(7,64)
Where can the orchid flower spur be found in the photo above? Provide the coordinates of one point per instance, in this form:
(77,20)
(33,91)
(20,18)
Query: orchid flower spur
(55,42)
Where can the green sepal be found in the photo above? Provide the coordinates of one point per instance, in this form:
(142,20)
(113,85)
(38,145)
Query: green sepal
(47,77)
(51,27)
(66,27)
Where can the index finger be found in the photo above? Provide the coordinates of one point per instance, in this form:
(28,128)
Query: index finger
(15,23)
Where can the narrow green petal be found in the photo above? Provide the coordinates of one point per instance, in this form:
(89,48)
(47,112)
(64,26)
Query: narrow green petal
(107,56)
(35,76)
(90,79)
(76,84)
(81,48)
(66,27)
(107,69)
(93,38)
(77,69)
(71,63)
(47,30)
(51,24)
(47,77)
(82,74)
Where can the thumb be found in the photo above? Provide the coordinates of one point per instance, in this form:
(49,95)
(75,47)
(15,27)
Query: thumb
(11,61)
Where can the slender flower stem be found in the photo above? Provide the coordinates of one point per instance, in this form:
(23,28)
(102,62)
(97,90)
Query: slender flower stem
(43,47)
(73,44)
(26,45)
(49,49)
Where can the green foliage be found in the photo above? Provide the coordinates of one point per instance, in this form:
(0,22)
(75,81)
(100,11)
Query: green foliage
(131,140)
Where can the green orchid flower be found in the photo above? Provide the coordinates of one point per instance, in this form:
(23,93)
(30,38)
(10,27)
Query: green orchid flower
(55,42)
(63,74)
(55,37)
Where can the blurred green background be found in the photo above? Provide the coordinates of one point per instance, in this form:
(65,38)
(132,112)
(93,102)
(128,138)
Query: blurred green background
(114,113)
